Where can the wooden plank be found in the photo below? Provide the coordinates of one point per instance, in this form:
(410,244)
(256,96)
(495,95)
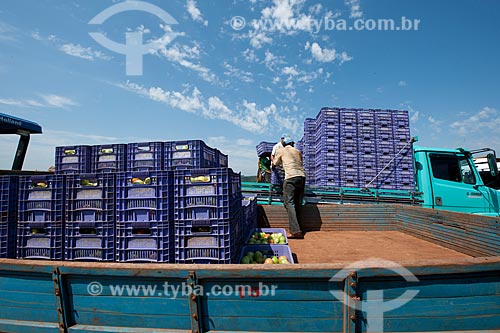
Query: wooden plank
(484,323)
(33,314)
(317,290)
(27,326)
(131,305)
(269,310)
(103,318)
(27,300)
(121,329)
(279,324)
(434,287)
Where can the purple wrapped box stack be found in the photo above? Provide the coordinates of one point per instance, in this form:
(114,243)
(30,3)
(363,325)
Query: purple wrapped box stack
(349,147)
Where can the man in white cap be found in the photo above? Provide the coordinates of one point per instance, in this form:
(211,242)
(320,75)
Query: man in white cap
(278,146)
(293,187)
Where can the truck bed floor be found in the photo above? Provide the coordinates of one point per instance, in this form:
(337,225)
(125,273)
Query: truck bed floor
(342,246)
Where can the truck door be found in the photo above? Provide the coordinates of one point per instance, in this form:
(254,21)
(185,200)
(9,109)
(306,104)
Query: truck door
(454,184)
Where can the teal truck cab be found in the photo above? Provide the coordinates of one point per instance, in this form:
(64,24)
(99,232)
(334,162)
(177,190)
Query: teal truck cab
(449,180)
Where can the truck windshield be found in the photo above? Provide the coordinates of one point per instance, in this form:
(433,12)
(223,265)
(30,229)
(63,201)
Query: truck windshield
(452,168)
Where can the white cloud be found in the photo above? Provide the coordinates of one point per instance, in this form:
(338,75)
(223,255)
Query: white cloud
(292,71)
(354,7)
(415,116)
(48,101)
(195,12)
(238,73)
(435,124)
(484,121)
(250,56)
(326,55)
(402,83)
(183,55)
(7,32)
(76,50)
(258,39)
(315,9)
(380,90)
(344,57)
(322,55)
(241,153)
(20,103)
(58,101)
(248,116)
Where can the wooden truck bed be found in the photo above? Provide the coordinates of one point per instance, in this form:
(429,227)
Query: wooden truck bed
(349,246)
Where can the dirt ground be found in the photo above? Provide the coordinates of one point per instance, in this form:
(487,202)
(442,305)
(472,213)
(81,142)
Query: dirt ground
(342,246)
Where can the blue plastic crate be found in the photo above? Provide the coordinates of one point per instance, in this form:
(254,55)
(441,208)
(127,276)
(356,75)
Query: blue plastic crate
(189,154)
(145,196)
(91,197)
(210,243)
(109,158)
(40,240)
(267,231)
(268,251)
(145,156)
(41,198)
(73,159)
(264,148)
(249,213)
(89,241)
(206,194)
(277,176)
(8,215)
(145,242)
(221,159)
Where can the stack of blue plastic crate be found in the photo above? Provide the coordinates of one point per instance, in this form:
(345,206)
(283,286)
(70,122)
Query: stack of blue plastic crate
(40,227)
(327,148)
(8,215)
(208,215)
(144,219)
(90,217)
(120,198)
(308,149)
(353,146)
(265,148)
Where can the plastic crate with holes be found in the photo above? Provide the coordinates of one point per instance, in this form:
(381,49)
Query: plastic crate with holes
(249,213)
(8,215)
(145,156)
(206,194)
(208,242)
(40,227)
(221,158)
(267,251)
(144,241)
(144,216)
(109,158)
(90,217)
(189,154)
(73,159)
(264,148)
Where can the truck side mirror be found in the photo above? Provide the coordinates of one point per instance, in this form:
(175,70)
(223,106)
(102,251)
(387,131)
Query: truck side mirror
(492,163)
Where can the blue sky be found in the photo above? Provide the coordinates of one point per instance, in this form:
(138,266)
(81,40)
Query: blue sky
(211,77)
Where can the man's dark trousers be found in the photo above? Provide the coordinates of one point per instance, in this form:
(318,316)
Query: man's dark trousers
(293,192)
